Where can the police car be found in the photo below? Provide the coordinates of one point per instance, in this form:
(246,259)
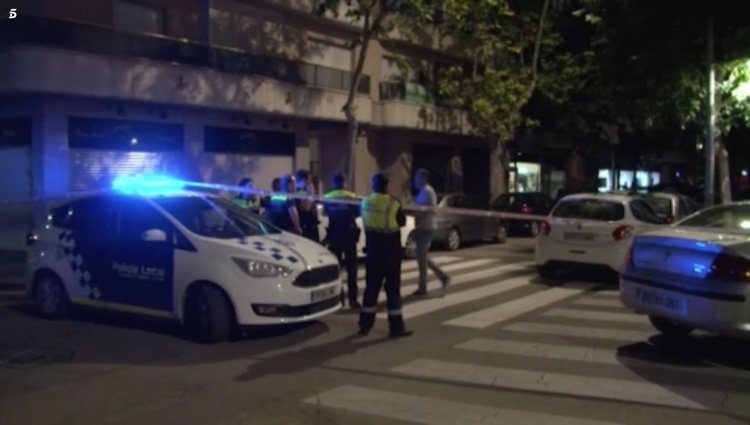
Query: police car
(150,247)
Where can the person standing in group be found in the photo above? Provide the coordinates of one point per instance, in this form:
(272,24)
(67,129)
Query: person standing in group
(343,233)
(265,202)
(308,214)
(383,218)
(282,210)
(247,200)
(425,232)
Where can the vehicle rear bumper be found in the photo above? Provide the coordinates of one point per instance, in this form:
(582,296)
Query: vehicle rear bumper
(715,312)
(551,251)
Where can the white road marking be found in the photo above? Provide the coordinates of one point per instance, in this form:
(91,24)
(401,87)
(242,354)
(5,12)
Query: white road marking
(584,354)
(607,293)
(430,305)
(411,265)
(577,385)
(511,309)
(599,302)
(455,267)
(598,316)
(425,410)
(580,332)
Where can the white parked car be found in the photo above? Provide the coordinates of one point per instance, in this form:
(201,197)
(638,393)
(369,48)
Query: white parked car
(191,257)
(407,234)
(694,274)
(589,229)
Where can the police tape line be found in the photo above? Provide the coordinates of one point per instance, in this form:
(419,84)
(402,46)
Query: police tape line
(410,208)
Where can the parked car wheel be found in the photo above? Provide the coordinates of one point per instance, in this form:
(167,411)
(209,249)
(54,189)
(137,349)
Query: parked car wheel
(547,271)
(670,328)
(534,229)
(453,240)
(210,318)
(502,234)
(410,248)
(50,298)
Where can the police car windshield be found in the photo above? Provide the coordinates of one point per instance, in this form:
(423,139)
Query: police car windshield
(214,217)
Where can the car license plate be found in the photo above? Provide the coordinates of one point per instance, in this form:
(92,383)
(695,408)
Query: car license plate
(325,293)
(661,301)
(585,237)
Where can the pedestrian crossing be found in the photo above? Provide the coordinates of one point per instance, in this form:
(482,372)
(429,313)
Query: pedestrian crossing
(573,341)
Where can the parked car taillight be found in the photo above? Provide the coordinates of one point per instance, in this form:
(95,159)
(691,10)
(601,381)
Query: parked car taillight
(622,232)
(544,228)
(731,268)
(527,210)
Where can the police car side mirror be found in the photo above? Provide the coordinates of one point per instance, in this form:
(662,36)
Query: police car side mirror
(154,235)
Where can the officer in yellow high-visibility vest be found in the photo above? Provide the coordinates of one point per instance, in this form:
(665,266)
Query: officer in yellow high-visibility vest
(247,200)
(342,233)
(383,218)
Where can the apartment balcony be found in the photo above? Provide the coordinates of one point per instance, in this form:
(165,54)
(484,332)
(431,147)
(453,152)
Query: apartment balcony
(50,56)
(413,106)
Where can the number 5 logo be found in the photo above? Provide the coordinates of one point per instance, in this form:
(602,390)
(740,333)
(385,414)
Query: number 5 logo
(13,14)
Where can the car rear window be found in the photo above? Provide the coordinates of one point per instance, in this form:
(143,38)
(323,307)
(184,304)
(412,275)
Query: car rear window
(660,204)
(590,209)
(731,218)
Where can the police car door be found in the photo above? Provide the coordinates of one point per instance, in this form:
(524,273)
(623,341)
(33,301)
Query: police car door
(144,259)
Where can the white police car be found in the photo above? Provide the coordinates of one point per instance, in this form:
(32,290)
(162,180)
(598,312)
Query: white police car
(151,248)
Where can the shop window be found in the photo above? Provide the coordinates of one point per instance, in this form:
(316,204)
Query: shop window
(248,142)
(136,17)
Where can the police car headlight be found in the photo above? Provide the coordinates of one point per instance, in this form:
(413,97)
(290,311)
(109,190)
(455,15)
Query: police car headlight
(255,268)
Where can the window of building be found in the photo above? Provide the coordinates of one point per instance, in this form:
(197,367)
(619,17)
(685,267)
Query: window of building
(328,55)
(136,17)
(248,142)
(124,135)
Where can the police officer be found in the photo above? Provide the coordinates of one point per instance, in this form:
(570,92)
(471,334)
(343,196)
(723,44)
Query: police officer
(308,214)
(246,200)
(382,217)
(282,210)
(342,232)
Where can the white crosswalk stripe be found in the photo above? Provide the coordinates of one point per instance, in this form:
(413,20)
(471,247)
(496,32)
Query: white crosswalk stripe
(599,302)
(579,353)
(425,410)
(431,305)
(506,311)
(579,331)
(607,293)
(411,265)
(579,385)
(599,316)
(469,264)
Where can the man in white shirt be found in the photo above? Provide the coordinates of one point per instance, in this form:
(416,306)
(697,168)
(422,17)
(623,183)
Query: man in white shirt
(425,232)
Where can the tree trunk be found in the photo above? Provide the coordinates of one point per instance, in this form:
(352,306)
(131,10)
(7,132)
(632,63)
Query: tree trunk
(725,183)
(498,169)
(352,130)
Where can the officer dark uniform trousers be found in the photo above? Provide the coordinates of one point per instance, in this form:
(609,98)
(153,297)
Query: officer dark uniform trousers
(342,237)
(382,218)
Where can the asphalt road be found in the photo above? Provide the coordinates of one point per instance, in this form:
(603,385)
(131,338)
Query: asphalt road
(501,347)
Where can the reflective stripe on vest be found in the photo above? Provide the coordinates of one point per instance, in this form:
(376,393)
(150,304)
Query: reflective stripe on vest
(379,213)
(339,193)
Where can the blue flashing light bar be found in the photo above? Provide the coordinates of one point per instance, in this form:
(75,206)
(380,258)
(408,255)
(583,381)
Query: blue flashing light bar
(147,184)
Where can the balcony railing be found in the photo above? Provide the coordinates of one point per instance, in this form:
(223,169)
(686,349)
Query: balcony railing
(107,41)
(410,92)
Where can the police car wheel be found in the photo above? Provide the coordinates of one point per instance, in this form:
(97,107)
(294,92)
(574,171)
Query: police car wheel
(670,328)
(50,298)
(210,315)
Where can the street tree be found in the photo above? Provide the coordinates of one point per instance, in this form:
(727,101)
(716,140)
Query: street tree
(371,18)
(504,44)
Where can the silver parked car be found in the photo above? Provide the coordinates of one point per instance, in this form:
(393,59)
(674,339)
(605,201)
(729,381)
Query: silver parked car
(693,274)
(671,206)
(455,229)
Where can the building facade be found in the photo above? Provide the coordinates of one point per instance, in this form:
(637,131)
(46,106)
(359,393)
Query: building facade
(211,90)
